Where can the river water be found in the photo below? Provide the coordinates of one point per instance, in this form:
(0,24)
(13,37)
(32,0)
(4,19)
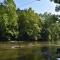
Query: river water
(27,53)
(58,58)
(40,54)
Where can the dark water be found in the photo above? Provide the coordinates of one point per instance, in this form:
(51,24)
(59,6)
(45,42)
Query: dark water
(28,53)
(40,54)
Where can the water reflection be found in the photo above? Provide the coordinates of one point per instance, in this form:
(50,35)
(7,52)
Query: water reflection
(58,53)
(46,53)
(27,57)
(40,54)
(34,55)
(58,58)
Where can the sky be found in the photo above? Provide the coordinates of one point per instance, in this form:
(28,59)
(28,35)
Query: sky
(38,6)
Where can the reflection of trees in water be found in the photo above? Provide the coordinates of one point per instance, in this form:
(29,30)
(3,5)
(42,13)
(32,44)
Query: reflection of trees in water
(58,53)
(46,53)
(43,53)
(26,57)
(34,55)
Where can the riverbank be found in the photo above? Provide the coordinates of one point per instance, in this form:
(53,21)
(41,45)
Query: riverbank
(22,44)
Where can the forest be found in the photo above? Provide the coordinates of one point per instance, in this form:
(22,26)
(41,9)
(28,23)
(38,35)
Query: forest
(27,25)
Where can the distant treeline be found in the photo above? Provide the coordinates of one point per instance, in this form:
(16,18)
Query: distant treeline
(16,24)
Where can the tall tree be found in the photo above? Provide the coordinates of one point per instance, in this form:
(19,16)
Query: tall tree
(47,21)
(2,21)
(11,27)
(54,31)
(29,23)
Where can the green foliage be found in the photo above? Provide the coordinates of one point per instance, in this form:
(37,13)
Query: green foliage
(50,27)
(3,19)
(29,22)
(11,22)
(57,8)
(54,31)
(56,1)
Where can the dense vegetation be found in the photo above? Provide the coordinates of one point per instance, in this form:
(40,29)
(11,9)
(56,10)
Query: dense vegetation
(16,24)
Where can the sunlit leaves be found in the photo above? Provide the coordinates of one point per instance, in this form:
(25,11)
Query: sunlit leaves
(29,22)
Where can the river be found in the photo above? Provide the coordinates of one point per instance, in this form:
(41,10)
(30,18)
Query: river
(27,52)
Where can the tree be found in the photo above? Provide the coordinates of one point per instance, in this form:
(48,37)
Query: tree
(54,31)
(47,21)
(57,6)
(2,22)
(29,23)
(11,22)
